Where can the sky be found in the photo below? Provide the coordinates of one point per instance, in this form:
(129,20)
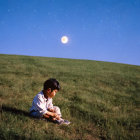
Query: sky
(101,30)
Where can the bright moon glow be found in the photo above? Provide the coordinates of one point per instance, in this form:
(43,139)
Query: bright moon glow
(64,39)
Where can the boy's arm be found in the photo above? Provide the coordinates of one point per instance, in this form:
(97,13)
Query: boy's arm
(50,114)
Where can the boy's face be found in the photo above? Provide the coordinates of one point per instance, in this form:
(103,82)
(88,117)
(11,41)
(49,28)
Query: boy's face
(50,93)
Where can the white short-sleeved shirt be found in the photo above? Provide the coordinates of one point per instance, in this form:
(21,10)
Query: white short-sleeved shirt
(41,104)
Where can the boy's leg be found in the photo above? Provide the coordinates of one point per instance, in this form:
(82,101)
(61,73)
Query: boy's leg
(57,110)
(35,114)
(60,121)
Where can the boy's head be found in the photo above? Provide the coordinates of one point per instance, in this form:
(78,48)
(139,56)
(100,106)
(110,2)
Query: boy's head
(52,84)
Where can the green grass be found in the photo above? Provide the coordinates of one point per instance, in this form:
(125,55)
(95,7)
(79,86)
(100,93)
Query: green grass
(101,99)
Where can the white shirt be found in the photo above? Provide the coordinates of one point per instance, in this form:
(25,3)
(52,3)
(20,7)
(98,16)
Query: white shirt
(41,104)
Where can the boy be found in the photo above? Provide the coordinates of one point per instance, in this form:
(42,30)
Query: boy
(42,106)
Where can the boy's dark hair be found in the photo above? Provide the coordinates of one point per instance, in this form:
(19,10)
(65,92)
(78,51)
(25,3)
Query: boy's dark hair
(51,83)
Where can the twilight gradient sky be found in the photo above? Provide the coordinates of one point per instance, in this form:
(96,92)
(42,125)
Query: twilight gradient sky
(104,30)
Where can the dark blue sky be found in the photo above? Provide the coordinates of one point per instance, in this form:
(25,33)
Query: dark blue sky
(104,30)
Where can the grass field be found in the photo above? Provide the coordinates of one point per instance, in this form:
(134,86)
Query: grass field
(101,99)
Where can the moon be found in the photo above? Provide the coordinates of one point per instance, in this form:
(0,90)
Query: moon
(64,39)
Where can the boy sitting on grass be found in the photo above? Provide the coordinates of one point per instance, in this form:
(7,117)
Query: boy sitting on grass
(42,106)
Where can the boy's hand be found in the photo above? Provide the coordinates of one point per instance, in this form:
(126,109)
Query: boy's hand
(50,115)
(54,115)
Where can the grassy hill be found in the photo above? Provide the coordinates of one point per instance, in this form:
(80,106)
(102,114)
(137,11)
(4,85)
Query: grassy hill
(101,99)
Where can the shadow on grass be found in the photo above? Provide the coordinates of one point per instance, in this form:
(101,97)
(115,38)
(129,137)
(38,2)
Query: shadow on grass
(15,111)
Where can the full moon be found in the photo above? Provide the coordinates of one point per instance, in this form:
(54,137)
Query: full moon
(64,39)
